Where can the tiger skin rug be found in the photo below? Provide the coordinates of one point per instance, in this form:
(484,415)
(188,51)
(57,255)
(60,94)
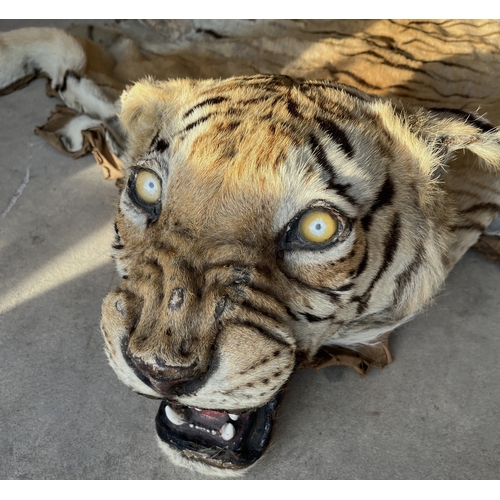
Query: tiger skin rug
(316,300)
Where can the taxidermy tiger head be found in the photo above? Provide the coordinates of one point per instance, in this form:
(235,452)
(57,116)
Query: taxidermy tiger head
(260,219)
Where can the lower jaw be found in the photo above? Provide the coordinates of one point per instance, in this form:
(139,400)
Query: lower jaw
(251,440)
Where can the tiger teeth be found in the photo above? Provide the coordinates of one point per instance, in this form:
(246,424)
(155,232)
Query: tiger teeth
(227,431)
(234,417)
(175,417)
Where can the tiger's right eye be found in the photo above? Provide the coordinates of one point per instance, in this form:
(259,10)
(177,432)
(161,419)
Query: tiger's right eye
(148,187)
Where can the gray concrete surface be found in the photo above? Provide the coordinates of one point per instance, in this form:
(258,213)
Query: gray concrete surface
(434,413)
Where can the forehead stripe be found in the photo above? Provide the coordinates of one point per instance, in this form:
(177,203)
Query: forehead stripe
(321,158)
(384,197)
(336,135)
(206,102)
(196,123)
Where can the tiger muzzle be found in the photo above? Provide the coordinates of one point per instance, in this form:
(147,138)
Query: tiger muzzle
(166,380)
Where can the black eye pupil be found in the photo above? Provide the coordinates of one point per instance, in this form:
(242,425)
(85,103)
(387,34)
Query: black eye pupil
(151,185)
(318,226)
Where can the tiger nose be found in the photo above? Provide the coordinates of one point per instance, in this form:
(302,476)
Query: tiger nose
(164,379)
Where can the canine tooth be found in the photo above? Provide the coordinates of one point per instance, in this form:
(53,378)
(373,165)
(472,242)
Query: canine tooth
(234,417)
(175,417)
(191,425)
(214,433)
(227,431)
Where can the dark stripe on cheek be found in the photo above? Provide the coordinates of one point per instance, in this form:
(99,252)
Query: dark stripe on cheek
(292,314)
(314,319)
(480,207)
(363,263)
(473,226)
(336,135)
(384,197)
(266,332)
(403,279)
(391,244)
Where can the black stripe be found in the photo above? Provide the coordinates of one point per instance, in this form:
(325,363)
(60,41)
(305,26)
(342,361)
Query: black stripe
(211,33)
(266,332)
(488,207)
(391,244)
(352,91)
(321,158)
(253,100)
(403,279)
(292,314)
(336,135)
(315,319)
(63,86)
(478,121)
(293,108)
(161,146)
(390,64)
(473,226)
(206,102)
(254,78)
(363,263)
(261,312)
(332,70)
(384,197)
(196,123)
(345,288)
(332,293)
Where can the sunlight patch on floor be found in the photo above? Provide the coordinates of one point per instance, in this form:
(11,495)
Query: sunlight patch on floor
(79,259)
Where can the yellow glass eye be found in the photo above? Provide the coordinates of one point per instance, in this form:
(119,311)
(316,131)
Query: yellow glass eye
(148,187)
(318,226)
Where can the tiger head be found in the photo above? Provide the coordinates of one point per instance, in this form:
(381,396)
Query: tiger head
(260,219)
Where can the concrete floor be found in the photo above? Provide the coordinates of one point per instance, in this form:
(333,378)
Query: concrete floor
(433,414)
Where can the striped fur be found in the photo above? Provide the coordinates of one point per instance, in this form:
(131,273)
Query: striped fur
(216,304)
(239,159)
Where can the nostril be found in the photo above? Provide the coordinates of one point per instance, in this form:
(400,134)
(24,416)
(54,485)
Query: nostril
(176,300)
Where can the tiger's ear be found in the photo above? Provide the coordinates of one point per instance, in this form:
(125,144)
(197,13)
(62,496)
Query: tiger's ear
(147,108)
(449,130)
(141,113)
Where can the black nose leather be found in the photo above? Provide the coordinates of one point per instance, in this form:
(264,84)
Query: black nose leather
(164,379)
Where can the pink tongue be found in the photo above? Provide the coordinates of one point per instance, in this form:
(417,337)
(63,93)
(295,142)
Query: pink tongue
(212,414)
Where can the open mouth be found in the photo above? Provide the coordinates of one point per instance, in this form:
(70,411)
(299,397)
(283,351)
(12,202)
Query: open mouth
(217,438)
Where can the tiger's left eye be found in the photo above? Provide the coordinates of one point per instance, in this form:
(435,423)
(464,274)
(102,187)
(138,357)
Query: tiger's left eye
(317,226)
(148,187)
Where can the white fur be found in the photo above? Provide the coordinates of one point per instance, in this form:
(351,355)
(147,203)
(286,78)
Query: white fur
(50,50)
(71,133)
(85,96)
